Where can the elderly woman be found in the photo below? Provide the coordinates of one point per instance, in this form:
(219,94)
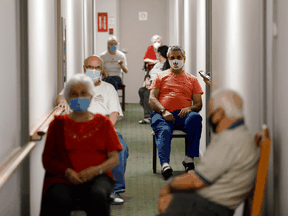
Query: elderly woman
(80,151)
(114,62)
(150,56)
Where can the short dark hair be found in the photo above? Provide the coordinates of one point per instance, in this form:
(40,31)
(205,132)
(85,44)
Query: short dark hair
(163,50)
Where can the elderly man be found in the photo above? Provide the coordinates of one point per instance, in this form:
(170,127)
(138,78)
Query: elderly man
(225,175)
(172,93)
(150,56)
(105,102)
(114,62)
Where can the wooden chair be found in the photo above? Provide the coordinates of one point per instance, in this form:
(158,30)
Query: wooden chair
(175,134)
(121,86)
(254,201)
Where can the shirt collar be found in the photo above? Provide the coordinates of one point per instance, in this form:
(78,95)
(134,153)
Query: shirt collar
(236,124)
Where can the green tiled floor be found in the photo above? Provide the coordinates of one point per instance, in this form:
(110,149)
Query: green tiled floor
(142,186)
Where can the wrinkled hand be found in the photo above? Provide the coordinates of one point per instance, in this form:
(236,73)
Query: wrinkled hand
(73,177)
(65,106)
(87,174)
(184,112)
(168,116)
(105,74)
(120,62)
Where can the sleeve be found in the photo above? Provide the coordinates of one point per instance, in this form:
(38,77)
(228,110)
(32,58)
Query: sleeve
(112,140)
(197,88)
(156,82)
(113,102)
(218,159)
(150,53)
(50,162)
(124,59)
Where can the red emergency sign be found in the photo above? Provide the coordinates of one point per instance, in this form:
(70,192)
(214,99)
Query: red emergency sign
(102,22)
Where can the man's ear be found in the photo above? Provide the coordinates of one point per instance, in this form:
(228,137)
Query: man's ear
(184,59)
(220,113)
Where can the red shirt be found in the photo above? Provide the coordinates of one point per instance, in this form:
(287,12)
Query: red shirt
(83,144)
(176,91)
(150,53)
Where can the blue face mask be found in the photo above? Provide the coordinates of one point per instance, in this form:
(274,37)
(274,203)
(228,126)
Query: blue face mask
(113,48)
(79,104)
(93,74)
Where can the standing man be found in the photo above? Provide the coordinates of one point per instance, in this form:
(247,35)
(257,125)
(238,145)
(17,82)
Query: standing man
(114,61)
(105,102)
(172,94)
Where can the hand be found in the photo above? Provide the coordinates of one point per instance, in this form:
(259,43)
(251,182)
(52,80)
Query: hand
(155,61)
(164,202)
(105,74)
(65,106)
(120,62)
(168,116)
(88,174)
(73,177)
(165,190)
(184,112)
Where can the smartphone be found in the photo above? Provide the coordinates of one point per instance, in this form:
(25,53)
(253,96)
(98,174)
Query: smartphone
(205,75)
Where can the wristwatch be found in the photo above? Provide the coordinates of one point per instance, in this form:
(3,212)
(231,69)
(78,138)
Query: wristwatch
(100,170)
(162,111)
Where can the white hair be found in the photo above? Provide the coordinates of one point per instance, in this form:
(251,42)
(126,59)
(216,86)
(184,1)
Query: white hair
(76,80)
(113,38)
(85,61)
(226,99)
(175,48)
(155,37)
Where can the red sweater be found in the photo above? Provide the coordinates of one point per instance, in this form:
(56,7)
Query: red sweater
(83,144)
(150,53)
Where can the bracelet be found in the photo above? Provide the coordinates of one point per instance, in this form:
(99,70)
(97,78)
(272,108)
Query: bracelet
(100,170)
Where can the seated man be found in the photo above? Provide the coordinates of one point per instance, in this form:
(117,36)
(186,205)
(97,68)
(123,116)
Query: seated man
(106,102)
(225,175)
(143,92)
(172,93)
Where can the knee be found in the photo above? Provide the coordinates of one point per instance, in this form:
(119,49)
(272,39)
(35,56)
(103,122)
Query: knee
(196,118)
(99,195)
(141,91)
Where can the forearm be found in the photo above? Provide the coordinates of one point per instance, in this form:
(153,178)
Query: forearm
(149,61)
(188,181)
(109,164)
(54,166)
(155,104)
(114,116)
(196,107)
(124,68)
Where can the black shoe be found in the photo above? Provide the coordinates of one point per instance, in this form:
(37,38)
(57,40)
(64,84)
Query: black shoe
(188,166)
(167,172)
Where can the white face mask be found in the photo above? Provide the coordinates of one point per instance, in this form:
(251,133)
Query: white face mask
(156,45)
(176,64)
(93,74)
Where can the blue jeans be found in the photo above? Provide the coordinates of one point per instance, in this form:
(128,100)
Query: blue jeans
(114,80)
(191,124)
(119,171)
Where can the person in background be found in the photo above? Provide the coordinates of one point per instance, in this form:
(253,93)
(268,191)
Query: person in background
(150,56)
(171,97)
(114,62)
(80,152)
(226,173)
(205,79)
(105,102)
(144,92)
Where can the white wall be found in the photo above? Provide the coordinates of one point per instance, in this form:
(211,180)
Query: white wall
(109,7)
(42,35)
(10,88)
(280,104)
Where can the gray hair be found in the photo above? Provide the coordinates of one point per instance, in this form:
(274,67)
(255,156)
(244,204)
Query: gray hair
(79,79)
(85,61)
(155,37)
(230,101)
(175,48)
(113,38)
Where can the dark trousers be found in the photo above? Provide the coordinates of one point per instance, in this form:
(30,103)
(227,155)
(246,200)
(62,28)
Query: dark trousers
(192,204)
(114,80)
(190,124)
(60,198)
(144,94)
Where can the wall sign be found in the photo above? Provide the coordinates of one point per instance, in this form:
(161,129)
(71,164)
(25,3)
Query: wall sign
(110,31)
(142,15)
(102,22)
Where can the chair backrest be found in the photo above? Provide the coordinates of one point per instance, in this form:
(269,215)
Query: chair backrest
(253,203)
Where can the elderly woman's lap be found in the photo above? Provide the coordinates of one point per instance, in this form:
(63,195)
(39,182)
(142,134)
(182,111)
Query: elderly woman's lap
(60,198)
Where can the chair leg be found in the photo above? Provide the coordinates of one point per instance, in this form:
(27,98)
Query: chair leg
(186,146)
(123,99)
(154,155)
